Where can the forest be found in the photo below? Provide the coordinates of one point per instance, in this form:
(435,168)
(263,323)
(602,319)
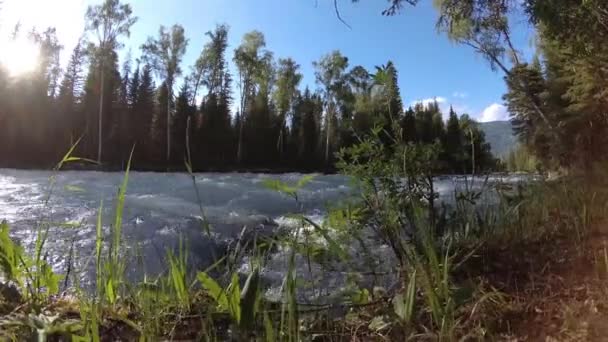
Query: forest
(258,119)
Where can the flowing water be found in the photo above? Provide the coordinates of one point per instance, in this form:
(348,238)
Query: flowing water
(162,208)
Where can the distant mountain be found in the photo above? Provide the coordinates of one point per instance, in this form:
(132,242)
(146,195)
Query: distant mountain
(500,136)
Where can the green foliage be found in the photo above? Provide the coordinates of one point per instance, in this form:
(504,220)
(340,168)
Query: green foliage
(521,160)
(214,289)
(290,190)
(404,303)
(330,74)
(398,202)
(241,304)
(213,138)
(164,55)
(178,276)
(108,21)
(112,267)
(11,257)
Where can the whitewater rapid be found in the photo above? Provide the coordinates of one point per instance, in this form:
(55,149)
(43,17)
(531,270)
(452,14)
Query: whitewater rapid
(162,208)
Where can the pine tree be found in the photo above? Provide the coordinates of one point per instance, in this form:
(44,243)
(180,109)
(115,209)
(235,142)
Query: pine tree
(143,112)
(526,87)
(120,131)
(132,93)
(310,109)
(70,97)
(453,143)
(424,123)
(215,134)
(184,111)
(408,125)
(160,122)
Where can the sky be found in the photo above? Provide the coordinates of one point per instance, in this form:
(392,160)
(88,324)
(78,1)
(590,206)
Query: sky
(430,66)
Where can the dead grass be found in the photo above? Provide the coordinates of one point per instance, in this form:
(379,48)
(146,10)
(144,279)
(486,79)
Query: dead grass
(557,290)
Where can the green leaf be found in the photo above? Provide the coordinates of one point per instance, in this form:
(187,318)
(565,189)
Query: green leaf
(120,204)
(77,338)
(268,328)
(249,298)
(235,298)
(98,247)
(305,180)
(50,280)
(75,159)
(403,303)
(333,245)
(8,254)
(360,297)
(214,290)
(110,291)
(410,296)
(399,306)
(278,186)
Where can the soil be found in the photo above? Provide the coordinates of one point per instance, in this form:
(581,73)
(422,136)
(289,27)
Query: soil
(557,288)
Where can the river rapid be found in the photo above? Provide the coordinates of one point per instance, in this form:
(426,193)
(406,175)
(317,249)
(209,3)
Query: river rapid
(162,208)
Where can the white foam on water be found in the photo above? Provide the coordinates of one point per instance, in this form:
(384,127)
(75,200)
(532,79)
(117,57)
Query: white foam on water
(161,208)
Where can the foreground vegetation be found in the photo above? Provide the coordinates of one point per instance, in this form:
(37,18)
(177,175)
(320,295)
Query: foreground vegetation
(470,272)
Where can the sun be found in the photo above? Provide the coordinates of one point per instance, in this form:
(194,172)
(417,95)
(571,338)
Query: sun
(67,16)
(19,56)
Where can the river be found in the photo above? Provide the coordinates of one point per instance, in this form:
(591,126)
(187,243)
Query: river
(162,208)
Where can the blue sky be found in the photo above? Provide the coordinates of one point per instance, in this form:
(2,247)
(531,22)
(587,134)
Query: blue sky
(429,65)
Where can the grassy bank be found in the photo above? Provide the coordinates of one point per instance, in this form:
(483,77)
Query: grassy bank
(531,266)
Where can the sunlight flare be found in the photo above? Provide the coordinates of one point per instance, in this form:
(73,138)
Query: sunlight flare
(19,57)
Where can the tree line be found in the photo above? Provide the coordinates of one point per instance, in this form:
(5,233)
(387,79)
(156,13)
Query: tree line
(170,115)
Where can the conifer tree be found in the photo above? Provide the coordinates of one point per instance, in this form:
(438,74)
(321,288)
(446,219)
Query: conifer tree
(70,96)
(143,112)
(108,21)
(453,142)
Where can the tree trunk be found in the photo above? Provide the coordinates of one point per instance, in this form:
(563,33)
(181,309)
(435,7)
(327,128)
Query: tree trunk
(100,128)
(327,133)
(472,153)
(239,150)
(280,141)
(168,125)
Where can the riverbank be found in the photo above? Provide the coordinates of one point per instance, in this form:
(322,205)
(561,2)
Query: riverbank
(535,271)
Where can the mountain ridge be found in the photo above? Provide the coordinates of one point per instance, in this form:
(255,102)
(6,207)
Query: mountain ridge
(499,134)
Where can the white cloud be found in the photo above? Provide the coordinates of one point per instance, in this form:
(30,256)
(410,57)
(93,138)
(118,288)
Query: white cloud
(460,95)
(494,112)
